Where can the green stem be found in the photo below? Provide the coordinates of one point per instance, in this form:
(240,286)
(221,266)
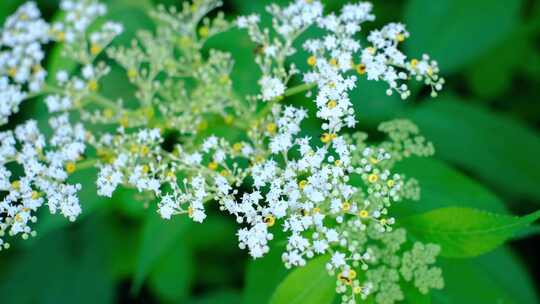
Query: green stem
(86,164)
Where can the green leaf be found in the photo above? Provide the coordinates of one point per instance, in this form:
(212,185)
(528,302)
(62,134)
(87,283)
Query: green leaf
(496,148)
(456,32)
(465,232)
(64,267)
(262,277)
(496,277)
(443,186)
(309,284)
(158,238)
(172,275)
(413,295)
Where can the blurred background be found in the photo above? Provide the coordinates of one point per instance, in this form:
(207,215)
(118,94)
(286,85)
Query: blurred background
(485,127)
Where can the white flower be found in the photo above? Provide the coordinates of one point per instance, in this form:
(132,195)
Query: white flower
(271,87)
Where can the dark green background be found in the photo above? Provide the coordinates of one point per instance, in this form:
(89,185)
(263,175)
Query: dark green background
(485,126)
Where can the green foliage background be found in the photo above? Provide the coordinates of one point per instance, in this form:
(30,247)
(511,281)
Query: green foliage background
(485,128)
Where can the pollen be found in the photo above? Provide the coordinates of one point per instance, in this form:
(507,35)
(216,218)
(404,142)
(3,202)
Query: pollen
(400,37)
(333,62)
(357,289)
(331,104)
(213,165)
(144,150)
(271,128)
(328,137)
(124,121)
(35,195)
(70,167)
(302,184)
(237,147)
(93,85)
(12,72)
(390,183)
(108,113)
(269,220)
(16,185)
(414,63)
(316,210)
(361,69)
(346,206)
(312,60)
(95,49)
(373,178)
(171,174)
(132,73)
(363,213)
(145,169)
(224,173)
(61,36)
(373,160)
(204,31)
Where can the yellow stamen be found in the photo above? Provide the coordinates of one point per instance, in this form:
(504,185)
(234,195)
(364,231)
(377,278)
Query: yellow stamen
(93,85)
(12,72)
(204,31)
(35,195)
(70,167)
(390,183)
(132,73)
(213,165)
(312,60)
(124,121)
(95,49)
(361,69)
(363,213)
(302,184)
(145,150)
(373,178)
(331,104)
(328,137)
(414,63)
(237,147)
(108,113)
(16,185)
(271,128)
(346,206)
(171,174)
(270,220)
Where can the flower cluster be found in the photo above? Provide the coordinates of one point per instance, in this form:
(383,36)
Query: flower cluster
(329,196)
(21,52)
(45,174)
